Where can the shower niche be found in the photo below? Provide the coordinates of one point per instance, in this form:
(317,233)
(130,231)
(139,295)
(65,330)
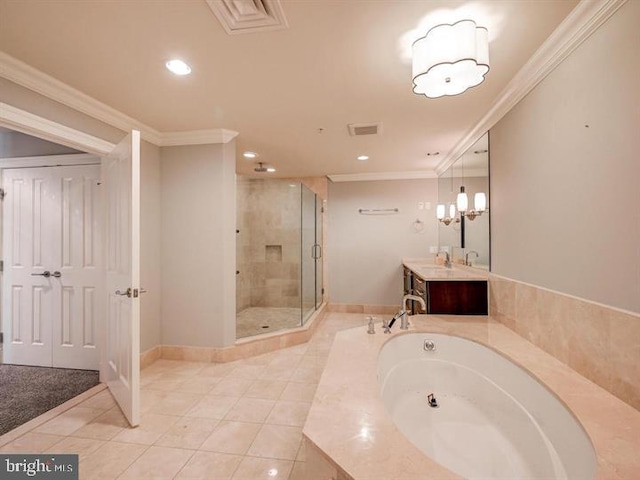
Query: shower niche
(279,255)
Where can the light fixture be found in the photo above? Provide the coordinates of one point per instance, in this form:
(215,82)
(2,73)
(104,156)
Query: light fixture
(249,154)
(260,168)
(363,157)
(450,59)
(479,204)
(440,214)
(178,67)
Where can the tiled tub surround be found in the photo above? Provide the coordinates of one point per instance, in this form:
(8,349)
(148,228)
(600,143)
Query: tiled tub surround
(350,435)
(599,342)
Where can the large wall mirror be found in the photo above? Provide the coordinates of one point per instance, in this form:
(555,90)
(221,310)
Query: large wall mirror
(466,236)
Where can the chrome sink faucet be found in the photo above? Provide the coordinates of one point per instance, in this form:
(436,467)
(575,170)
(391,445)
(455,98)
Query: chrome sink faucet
(447,259)
(466,257)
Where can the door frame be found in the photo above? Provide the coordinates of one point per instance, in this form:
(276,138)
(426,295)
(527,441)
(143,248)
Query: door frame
(26,122)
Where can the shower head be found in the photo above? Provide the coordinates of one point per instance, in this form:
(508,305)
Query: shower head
(260,168)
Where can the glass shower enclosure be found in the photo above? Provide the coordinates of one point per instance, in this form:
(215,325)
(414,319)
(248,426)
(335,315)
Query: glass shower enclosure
(278,255)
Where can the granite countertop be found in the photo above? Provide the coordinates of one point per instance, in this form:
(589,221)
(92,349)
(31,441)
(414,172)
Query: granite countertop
(348,421)
(429,271)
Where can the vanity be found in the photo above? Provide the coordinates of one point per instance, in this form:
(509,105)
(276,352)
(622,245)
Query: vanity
(457,290)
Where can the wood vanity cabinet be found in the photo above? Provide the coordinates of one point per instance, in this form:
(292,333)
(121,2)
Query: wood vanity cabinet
(459,297)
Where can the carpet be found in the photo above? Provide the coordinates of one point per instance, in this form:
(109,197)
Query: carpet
(26,392)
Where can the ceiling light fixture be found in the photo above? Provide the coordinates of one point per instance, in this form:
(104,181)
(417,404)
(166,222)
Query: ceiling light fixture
(178,67)
(450,59)
(363,157)
(249,154)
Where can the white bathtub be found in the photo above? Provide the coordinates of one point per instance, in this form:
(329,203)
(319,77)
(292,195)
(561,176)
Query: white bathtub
(493,419)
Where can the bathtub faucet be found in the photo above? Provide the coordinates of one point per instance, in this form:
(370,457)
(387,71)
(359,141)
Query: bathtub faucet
(404,313)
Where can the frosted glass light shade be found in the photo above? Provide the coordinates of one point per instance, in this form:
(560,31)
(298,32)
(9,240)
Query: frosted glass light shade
(480,202)
(462,201)
(452,210)
(450,59)
(440,211)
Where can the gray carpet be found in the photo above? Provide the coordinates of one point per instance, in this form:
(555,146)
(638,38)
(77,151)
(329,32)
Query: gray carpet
(26,392)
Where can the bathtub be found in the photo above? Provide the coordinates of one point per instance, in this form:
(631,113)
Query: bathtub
(492,419)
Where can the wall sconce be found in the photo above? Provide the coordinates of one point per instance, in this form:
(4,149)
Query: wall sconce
(440,214)
(479,203)
(450,59)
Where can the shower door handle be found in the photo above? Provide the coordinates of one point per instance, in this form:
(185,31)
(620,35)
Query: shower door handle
(316,251)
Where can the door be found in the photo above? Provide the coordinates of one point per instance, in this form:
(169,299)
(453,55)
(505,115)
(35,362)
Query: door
(120,365)
(53,270)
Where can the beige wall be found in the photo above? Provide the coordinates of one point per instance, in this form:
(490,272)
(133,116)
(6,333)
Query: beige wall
(365,251)
(198,245)
(565,202)
(565,210)
(16,144)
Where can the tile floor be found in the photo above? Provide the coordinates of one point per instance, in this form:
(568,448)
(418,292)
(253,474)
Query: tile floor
(239,420)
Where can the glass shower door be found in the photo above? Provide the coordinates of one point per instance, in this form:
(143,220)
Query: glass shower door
(308,270)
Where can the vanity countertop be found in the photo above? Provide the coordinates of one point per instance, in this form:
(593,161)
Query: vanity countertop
(348,421)
(427,270)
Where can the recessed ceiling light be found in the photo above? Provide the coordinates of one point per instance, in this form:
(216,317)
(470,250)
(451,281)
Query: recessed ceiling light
(249,154)
(433,154)
(178,67)
(271,169)
(363,157)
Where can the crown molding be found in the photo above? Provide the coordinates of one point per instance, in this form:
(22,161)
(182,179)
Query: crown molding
(26,122)
(26,76)
(197,137)
(583,20)
(369,177)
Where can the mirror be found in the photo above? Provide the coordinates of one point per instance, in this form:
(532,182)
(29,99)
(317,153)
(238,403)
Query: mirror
(469,233)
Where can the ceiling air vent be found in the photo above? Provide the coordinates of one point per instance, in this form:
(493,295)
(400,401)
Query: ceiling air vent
(357,129)
(247,16)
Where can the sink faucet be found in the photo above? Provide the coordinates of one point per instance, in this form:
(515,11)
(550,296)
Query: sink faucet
(466,257)
(447,259)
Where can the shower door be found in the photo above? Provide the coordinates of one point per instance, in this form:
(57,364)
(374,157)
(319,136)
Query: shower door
(311,253)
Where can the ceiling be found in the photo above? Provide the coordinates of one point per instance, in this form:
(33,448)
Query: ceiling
(289,93)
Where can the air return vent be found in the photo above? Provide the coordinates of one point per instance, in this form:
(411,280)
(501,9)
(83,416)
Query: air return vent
(247,16)
(357,129)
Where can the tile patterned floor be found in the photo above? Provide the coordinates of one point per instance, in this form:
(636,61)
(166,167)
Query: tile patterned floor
(241,420)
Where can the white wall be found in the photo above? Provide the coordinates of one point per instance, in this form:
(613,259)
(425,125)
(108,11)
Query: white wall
(150,259)
(565,173)
(198,245)
(364,252)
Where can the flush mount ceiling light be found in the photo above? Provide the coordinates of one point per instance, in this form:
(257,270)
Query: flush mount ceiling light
(363,157)
(178,67)
(249,154)
(450,59)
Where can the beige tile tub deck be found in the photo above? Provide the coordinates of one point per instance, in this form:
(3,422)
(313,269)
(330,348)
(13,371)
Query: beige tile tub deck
(348,424)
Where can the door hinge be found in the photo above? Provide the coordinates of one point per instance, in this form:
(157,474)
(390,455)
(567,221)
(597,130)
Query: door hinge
(1,265)
(2,193)
(1,338)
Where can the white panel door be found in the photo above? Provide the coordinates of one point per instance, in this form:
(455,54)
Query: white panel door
(29,246)
(51,236)
(120,366)
(79,280)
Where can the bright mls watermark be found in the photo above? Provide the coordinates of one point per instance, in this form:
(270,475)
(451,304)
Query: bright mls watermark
(18,466)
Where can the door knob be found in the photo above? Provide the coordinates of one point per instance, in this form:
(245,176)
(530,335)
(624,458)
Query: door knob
(56,274)
(46,274)
(126,293)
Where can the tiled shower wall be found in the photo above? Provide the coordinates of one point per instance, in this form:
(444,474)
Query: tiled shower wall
(599,342)
(268,244)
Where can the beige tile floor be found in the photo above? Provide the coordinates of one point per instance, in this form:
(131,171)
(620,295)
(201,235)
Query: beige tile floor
(239,420)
